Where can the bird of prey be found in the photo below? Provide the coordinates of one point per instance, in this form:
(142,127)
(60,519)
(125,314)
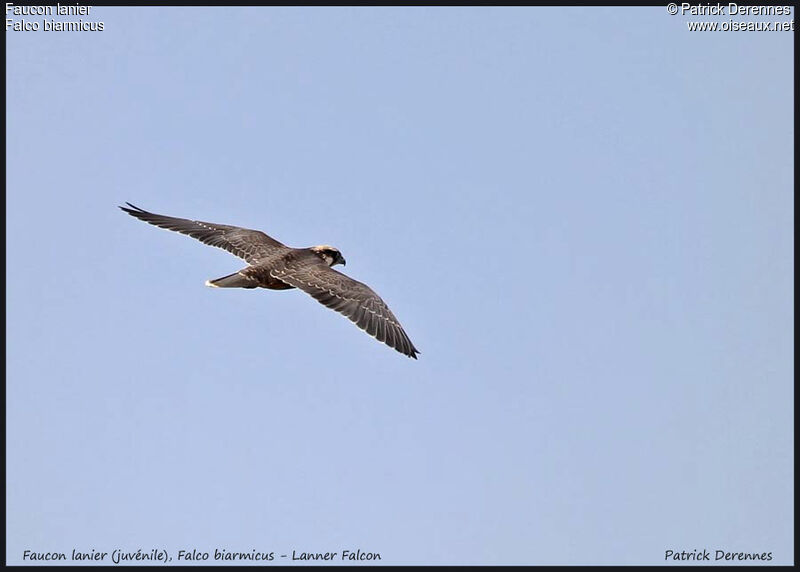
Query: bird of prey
(276,266)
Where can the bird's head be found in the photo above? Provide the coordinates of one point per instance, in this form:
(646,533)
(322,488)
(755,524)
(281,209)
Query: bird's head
(330,255)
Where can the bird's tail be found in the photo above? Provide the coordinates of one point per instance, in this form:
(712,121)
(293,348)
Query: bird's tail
(235,280)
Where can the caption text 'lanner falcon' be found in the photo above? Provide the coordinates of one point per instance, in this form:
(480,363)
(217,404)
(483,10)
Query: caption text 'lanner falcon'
(278,267)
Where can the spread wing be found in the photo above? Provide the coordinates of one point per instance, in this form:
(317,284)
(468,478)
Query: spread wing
(252,245)
(350,297)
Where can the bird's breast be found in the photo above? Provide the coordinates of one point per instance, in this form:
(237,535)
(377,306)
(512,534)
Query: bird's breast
(275,284)
(265,280)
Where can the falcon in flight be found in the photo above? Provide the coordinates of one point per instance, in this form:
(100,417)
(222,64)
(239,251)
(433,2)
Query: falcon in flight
(278,267)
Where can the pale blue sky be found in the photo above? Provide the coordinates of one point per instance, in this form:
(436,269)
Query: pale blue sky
(583,218)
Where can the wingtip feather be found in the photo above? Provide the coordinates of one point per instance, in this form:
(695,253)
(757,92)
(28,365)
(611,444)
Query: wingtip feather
(131,208)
